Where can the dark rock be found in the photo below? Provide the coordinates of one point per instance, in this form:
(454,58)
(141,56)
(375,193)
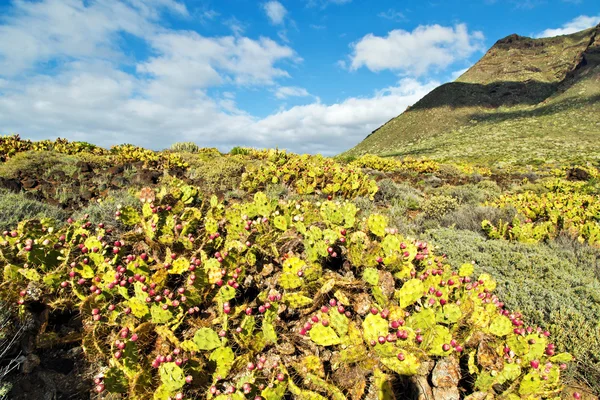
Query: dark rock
(147,177)
(29,183)
(119,182)
(578,174)
(116,170)
(29,364)
(11,184)
(84,166)
(87,195)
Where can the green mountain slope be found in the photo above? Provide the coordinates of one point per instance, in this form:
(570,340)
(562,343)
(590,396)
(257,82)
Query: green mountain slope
(525,100)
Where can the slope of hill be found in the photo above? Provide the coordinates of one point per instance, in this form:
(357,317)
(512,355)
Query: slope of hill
(525,100)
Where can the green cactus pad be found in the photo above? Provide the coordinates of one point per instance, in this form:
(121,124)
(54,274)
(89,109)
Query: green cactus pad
(338,321)
(410,292)
(409,366)
(206,339)
(297,300)
(501,326)
(324,335)
(377,224)
(224,358)
(373,327)
(371,276)
(171,376)
(160,316)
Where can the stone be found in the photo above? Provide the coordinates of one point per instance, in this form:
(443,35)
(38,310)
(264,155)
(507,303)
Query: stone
(115,170)
(446,393)
(446,373)
(578,174)
(11,184)
(29,364)
(84,166)
(29,183)
(421,385)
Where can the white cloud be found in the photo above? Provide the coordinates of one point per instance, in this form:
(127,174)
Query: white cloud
(66,29)
(189,59)
(392,15)
(283,92)
(575,25)
(275,11)
(236,26)
(415,53)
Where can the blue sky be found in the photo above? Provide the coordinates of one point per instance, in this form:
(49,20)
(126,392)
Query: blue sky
(313,76)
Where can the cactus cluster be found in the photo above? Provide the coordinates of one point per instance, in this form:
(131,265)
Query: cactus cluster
(394,165)
(266,298)
(13,144)
(565,207)
(307,175)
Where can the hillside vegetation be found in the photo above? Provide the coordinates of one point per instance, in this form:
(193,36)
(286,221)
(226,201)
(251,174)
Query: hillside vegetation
(526,101)
(263,274)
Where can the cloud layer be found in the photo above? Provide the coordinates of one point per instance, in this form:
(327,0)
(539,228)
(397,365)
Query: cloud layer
(64,73)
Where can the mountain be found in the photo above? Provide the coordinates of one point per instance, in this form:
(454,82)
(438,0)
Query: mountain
(526,100)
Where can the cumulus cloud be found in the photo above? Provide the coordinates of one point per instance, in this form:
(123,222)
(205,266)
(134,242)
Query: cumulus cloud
(275,11)
(415,53)
(37,32)
(189,59)
(575,25)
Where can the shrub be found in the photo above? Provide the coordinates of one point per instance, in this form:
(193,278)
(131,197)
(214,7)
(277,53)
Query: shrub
(470,217)
(38,161)
(16,207)
(554,285)
(237,150)
(436,207)
(219,174)
(401,194)
(185,147)
(277,191)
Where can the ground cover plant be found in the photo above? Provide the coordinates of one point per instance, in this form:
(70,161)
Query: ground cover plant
(304,277)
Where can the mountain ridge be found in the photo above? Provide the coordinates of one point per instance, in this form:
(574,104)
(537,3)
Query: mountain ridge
(516,76)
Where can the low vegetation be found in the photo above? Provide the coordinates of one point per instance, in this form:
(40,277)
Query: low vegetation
(305,276)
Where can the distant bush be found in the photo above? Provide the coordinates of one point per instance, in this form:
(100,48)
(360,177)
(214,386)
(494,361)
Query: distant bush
(391,192)
(16,207)
(554,285)
(237,150)
(437,206)
(470,217)
(185,147)
(276,190)
(221,174)
(34,161)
